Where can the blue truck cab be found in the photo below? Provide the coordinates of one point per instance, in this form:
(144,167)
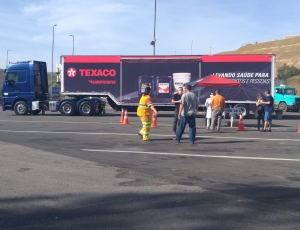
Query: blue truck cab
(25,91)
(286,99)
(25,87)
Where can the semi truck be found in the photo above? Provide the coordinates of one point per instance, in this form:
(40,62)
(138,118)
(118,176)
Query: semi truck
(86,80)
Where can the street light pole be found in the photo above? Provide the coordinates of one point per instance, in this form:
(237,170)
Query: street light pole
(192,47)
(73,42)
(7,57)
(154,28)
(52,61)
(154,39)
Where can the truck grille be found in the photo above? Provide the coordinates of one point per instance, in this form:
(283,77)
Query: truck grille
(297,100)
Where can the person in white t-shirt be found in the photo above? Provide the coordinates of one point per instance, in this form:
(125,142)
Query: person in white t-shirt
(208,111)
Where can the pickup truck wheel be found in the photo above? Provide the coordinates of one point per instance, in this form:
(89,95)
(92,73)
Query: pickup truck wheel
(21,108)
(86,108)
(67,108)
(244,108)
(282,106)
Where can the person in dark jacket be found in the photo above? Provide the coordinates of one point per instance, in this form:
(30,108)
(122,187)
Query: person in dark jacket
(176,99)
(259,112)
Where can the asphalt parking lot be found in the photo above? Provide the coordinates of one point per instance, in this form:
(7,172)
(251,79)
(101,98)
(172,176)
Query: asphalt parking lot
(95,173)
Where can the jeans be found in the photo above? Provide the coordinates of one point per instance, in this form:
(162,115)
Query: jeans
(184,120)
(216,116)
(268,116)
(258,122)
(175,122)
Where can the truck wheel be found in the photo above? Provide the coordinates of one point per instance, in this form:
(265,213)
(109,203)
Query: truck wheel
(21,108)
(86,108)
(67,108)
(244,108)
(282,106)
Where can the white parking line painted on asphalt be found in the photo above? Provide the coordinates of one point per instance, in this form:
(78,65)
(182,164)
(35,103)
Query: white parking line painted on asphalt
(156,135)
(65,122)
(134,123)
(191,155)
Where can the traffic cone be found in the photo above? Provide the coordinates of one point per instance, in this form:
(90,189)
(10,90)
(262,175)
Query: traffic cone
(125,121)
(241,124)
(154,120)
(122,116)
(299,130)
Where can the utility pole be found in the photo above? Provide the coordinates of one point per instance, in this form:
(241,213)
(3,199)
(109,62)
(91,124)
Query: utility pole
(73,43)
(52,60)
(7,57)
(154,27)
(154,39)
(192,47)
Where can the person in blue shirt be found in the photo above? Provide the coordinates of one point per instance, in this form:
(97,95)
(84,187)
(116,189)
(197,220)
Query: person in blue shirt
(269,102)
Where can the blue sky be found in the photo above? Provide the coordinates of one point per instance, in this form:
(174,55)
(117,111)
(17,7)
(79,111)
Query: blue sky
(125,27)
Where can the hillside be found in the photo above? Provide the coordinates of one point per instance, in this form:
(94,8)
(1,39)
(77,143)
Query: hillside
(286,50)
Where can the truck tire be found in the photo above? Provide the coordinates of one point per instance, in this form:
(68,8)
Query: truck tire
(67,108)
(282,106)
(86,108)
(244,108)
(21,108)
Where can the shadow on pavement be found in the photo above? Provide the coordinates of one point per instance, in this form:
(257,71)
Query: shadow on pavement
(202,210)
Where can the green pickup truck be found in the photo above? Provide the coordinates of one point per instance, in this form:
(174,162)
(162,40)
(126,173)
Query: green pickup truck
(286,99)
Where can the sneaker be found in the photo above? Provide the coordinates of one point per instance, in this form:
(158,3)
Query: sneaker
(269,130)
(192,142)
(174,138)
(263,130)
(146,139)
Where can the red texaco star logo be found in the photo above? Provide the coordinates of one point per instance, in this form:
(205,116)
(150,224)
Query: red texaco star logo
(71,72)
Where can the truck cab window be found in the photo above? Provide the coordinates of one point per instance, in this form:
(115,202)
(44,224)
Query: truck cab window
(289,92)
(11,77)
(278,91)
(18,76)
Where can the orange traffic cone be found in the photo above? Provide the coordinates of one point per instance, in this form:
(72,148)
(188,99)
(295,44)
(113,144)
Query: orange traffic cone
(298,129)
(125,121)
(154,120)
(241,124)
(122,116)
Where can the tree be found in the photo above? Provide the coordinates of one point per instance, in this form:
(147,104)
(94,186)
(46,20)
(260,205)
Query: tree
(286,71)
